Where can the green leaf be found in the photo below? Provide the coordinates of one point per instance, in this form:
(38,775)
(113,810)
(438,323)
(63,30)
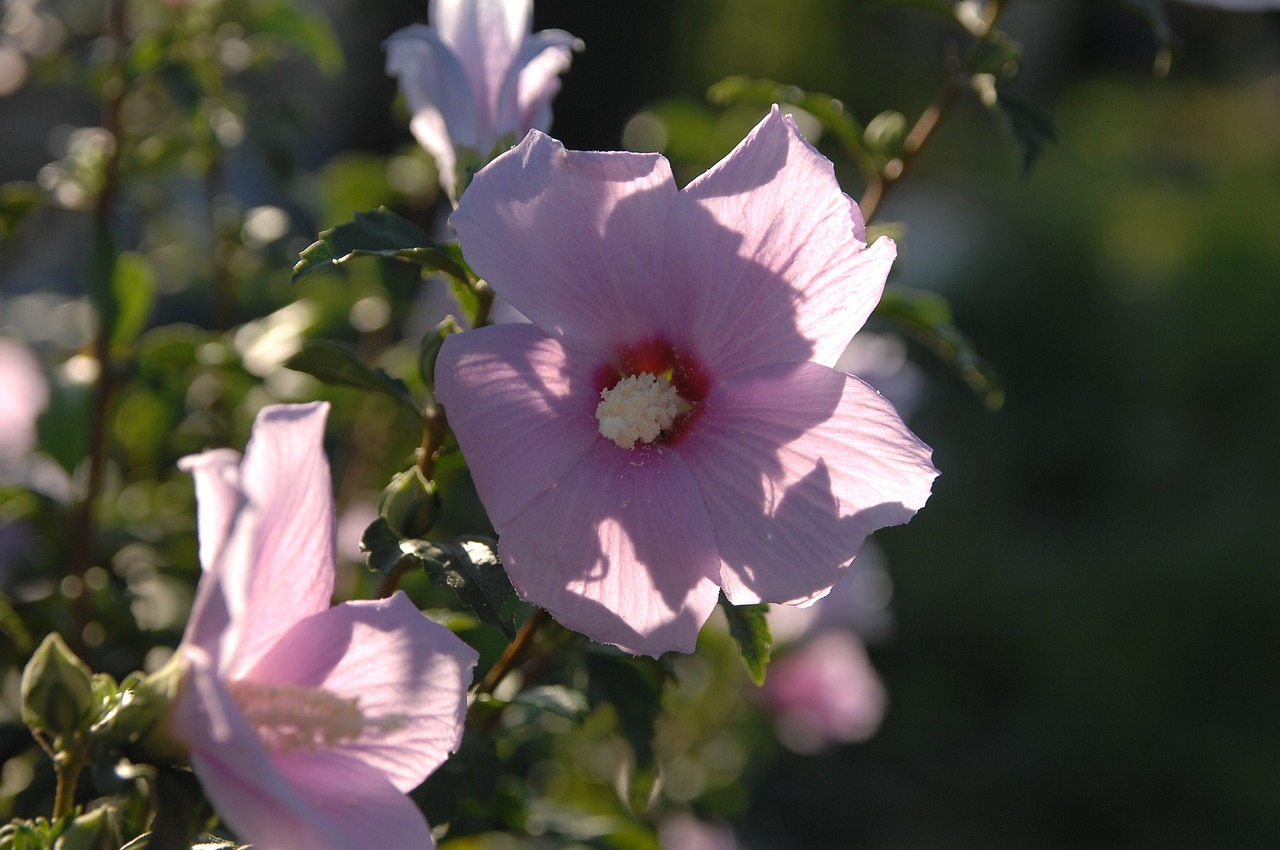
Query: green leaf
(16,200)
(633,686)
(926,316)
(1033,128)
(382,549)
(133,285)
(379,233)
(749,626)
(470,567)
(334,364)
(558,700)
(307,31)
(429,350)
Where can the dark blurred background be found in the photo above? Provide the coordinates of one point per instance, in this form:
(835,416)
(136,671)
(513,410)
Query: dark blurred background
(1088,610)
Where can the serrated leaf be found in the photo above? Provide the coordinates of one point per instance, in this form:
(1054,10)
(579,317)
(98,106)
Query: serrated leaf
(749,627)
(926,316)
(558,700)
(334,364)
(1033,128)
(471,568)
(378,233)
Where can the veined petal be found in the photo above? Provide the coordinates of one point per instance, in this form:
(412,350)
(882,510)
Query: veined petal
(797,464)
(437,91)
(572,239)
(523,408)
(486,36)
(218,499)
(217,479)
(281,567)
(409,675)
(619,549)
(765,260)
(524,102)
(234,769)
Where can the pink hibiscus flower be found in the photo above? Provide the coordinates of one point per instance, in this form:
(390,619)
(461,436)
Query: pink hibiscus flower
(824,691)
(306,723)
(670,424)
(24,394)
(476,79)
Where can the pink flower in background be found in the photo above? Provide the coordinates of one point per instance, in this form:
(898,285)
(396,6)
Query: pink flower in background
(306,723)
(24,394)
(670,424)
(476,78)
(824,691)
(683,832)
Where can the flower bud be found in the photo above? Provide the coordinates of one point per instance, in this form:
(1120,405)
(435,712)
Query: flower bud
(409,504)
(139,723)
(57,690)
(95,830)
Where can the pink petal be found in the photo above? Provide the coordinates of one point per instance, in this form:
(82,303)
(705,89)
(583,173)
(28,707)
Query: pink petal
(409,674)
(572,239)
(524,103)
(218,502)
(769,256)
(285,802)
(523,407)
(486,36)
(797,464)
(619,549)
(282,566)
(438,94)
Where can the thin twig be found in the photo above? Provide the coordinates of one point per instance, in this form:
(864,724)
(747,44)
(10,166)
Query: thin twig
(515,651)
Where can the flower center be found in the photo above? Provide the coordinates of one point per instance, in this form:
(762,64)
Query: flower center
(638,407)
(292,717)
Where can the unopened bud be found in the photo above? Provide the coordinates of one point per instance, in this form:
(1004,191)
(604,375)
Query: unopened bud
(95,830)
(409,504)
(57,690)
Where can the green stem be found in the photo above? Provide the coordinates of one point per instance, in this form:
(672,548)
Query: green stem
(67,765)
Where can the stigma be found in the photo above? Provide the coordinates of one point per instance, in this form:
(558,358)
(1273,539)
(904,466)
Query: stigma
(638,408)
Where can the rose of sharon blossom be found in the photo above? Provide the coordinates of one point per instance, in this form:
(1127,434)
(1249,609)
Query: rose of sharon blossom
(475,79)
(669,424)
(306,723)
(824,691)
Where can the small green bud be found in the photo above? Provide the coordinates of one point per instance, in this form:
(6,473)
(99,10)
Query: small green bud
(138,723)
(409,504)
(57,690)
(885,134)
(95,830)
(429,351)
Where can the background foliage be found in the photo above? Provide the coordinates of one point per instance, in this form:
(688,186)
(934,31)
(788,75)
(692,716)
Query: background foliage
(1083,616)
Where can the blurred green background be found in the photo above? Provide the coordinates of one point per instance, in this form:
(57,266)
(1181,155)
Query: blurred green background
(1088,610)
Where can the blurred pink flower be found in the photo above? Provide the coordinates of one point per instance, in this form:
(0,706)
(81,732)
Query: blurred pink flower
(24,394)
(475,79)
(683,832)
(824,691)
(306,724)
(670,424)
